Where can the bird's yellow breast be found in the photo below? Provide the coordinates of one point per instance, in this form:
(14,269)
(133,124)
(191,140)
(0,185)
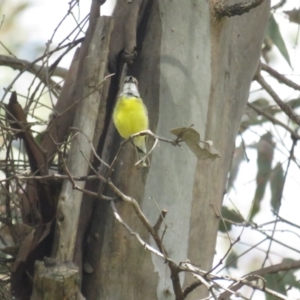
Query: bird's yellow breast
(130,116)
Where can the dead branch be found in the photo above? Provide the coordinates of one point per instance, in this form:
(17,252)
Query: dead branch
(70,45)
(278,5)
(18,121)
(143,243)
(40,71)
(160,219)
(204,277)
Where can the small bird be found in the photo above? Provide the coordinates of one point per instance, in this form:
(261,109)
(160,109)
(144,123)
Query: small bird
(131,116)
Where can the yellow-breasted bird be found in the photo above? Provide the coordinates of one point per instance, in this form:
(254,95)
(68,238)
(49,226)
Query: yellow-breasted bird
(131,116)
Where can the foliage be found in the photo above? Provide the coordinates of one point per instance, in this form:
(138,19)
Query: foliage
(271,172)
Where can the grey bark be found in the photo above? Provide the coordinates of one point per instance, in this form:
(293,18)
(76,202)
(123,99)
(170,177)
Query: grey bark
(81,150)
(192,69)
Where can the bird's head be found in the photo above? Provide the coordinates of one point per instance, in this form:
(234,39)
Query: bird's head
(130,79)
(130,87)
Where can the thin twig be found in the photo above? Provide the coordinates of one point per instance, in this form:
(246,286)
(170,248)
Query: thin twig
(71,45)
(278,5)
(242,254)
(286,221)
(49,177)
(130,139)
(143,243)
(293,133)
(279,242)
(285,266)
(174,269)
(284,107)
(92,146)
(148,153)
(191,287)
(160,219)
(239,282)
(281,78)
(279,199)
(19,64)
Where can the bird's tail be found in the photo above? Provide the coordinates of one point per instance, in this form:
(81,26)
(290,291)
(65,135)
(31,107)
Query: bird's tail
(140,143)
(145,162)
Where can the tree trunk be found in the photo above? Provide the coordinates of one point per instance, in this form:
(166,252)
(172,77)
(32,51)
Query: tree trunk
(192,69)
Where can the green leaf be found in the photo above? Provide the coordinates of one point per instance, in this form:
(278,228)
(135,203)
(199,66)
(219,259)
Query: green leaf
(231,215)
(275,283)
(232,260)
(294,15)
(274,34)
(39,137)
(291,280)
(277,184)
(251,117)
(282,281)
(265,151)
(238,158)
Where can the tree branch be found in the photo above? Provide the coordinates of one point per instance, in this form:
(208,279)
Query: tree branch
(223,10)
(143,243)
(40,71)
(293,133)
(281,78)
(204,278)
(278,5)
(174,269)
(286,266)
(284,107)
(191,287)
(27,67)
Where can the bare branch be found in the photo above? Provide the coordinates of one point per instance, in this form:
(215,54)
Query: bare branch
(238,282)
(191,287)
(293,133)
(49,177)
(130,139)
(160,219)
(281,78)
(143,243)
(286,266)
(70,46)
(174,269)
(279,4)
(279,199)
(19,64)
(149,152)
(284,107)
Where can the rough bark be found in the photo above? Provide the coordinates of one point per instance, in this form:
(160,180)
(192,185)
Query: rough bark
(54,281)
